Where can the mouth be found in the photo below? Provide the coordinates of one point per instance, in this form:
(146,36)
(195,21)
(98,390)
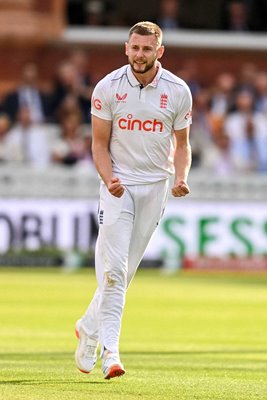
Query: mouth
(140,62)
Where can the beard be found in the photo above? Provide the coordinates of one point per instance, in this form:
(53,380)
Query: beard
(146,67)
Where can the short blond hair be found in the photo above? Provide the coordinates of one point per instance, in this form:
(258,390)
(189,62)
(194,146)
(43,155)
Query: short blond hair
(146,28)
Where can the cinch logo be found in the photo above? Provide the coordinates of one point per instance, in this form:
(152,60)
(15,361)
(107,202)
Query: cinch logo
(149,125)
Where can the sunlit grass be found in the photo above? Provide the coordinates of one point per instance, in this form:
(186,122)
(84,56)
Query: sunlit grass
(185,336)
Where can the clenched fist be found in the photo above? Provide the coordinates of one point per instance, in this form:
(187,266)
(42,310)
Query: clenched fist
(180,189)
(115,187)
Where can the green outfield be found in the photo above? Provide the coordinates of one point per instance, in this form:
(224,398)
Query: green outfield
(185,337)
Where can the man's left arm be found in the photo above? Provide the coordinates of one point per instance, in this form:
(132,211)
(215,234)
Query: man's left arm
(182,162)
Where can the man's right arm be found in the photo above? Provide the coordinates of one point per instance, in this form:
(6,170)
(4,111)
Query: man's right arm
(100,147)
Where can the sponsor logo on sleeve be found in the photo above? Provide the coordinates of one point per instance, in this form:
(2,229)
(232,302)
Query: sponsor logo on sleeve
(97,104)
(188,115)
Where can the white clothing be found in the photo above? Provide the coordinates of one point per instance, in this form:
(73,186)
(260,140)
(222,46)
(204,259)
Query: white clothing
(143,120)
(30,97)
(248,153)
(28,144)
(141,147)
(219,162)
(126,225)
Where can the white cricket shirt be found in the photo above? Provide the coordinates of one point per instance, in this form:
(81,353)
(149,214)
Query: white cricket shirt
(143,120)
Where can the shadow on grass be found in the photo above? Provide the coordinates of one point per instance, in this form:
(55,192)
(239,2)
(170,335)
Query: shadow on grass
(196,352)
(69,355)
(48,381)
(36,356)
(184,359)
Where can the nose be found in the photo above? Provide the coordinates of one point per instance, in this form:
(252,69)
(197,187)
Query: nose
(139,53)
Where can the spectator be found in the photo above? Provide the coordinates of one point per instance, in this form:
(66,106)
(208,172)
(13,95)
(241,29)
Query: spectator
(69,106)
(67,82)
(247,77)
(80,59)
(4,129)
(219,158)
(168,14)
(247,130)
(223,94)
(27,141)
(237,16)
(189,73)
(201,130)
(28,94)
(72,147)
(95,13)
(234,15)
(260,84)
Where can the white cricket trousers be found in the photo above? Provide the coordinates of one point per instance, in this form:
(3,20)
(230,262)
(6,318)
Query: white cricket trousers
(126,225)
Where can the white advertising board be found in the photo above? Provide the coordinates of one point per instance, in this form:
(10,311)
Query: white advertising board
(188,227)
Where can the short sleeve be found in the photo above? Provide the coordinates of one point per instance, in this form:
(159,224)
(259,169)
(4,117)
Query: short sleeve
(100,105)
(184,113)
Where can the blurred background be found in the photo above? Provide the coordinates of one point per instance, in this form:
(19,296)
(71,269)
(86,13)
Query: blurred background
(52,54)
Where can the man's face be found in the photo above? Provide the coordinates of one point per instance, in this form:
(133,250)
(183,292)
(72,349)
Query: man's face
(143,52)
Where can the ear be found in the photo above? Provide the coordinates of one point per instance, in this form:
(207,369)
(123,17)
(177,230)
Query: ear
(126,48)
(161,52)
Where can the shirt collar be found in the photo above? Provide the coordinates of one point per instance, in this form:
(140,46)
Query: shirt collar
(134,82)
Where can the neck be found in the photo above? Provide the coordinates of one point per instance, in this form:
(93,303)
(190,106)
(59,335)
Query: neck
(148,77)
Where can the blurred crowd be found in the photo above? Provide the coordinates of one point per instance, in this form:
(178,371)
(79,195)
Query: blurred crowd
(229,130)
(49,127)
(232,15)
(228,134)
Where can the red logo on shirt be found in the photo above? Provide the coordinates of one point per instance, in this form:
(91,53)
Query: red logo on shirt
(131,124)
(121,98)
(97,104)
(163,100)
(188,115)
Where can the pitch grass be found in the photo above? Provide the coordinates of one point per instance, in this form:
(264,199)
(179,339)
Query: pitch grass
(186,336)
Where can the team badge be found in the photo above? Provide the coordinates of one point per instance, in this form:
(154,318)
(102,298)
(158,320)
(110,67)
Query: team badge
(163,100)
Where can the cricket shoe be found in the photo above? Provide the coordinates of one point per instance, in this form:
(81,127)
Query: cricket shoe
(111,365)
(86,352)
